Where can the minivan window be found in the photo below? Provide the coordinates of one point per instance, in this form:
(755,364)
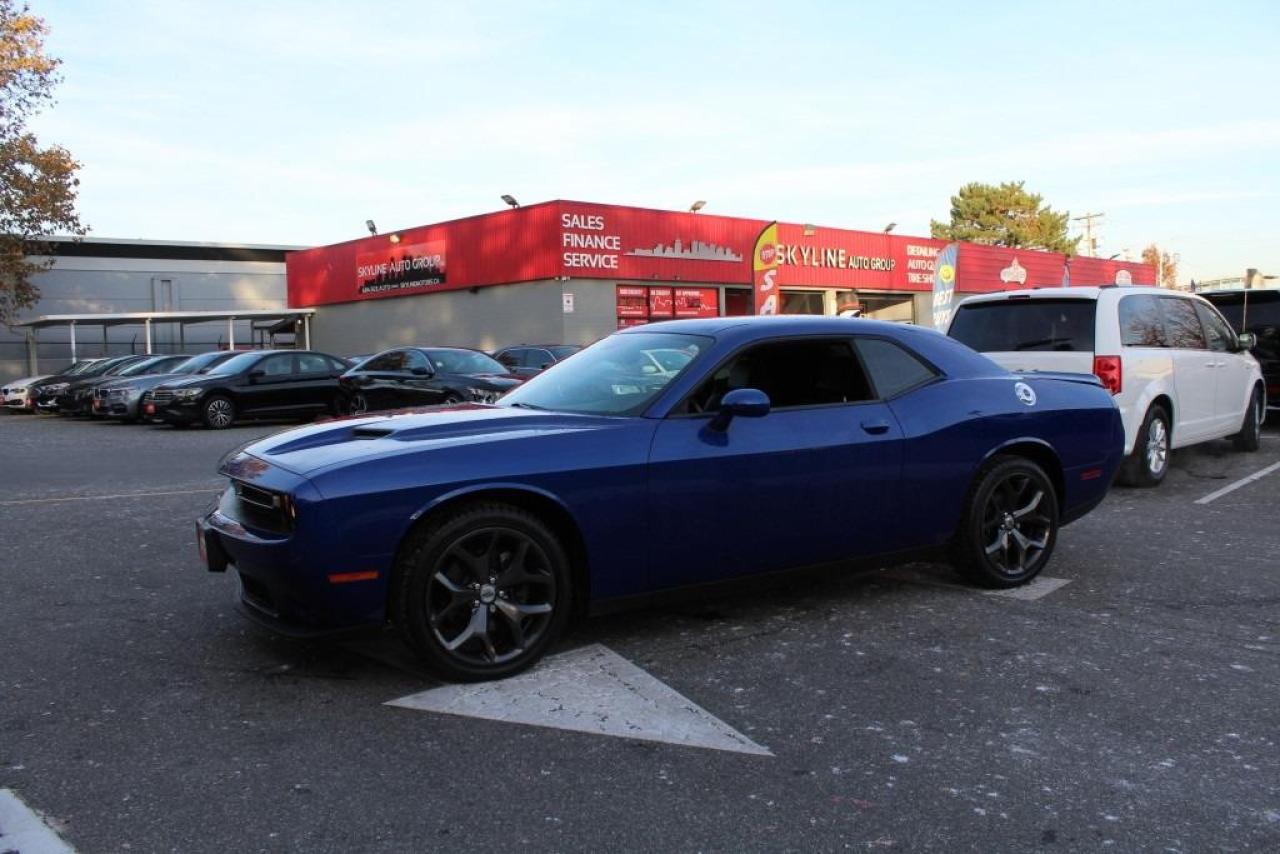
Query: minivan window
(1007,325)
(1141,323)
(1181,324)
(1216,330)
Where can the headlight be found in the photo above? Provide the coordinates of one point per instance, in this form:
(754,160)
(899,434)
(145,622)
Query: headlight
(483,395)
(18,390)
(188,393)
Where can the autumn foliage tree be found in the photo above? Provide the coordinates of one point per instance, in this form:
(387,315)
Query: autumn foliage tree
(1005,215)
(1166,266)
(37,183)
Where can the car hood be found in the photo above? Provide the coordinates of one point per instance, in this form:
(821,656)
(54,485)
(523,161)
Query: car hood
(23,381)
(144,381)
(184,380)
(309,450)
(493,381)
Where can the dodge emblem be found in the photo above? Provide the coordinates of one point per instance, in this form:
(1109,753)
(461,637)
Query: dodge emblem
(1025,393)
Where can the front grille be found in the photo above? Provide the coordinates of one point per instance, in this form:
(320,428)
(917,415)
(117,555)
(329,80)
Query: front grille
(160,396)
(260,508)
(116,393)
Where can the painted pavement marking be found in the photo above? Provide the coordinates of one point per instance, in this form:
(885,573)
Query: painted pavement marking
(1244,481)
(22,830)
(594,690)
(19,501)
(1036,588)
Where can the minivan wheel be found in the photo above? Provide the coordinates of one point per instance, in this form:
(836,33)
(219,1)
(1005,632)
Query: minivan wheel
(482,592)
(1250,436)
(1149,463)
(1010,524)
(219,413)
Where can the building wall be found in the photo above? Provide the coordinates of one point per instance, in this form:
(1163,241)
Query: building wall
(84,285)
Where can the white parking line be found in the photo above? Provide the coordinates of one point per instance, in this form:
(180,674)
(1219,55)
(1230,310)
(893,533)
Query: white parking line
(1244,481)
(58,499)
(594,690)
(22,830)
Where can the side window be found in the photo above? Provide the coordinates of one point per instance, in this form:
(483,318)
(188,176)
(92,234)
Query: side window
(536,358)
(1141,323)
(415,359)
(511,358)
(1181,324)
(791,373)
(280,365)
(313,363)
(388,362)
(335,365)
(1216,330)
(893,370)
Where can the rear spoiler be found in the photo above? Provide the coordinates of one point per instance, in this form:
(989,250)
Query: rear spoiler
(1063,376)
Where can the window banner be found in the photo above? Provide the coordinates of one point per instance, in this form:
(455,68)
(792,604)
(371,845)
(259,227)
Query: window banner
(944,286)
(764,270)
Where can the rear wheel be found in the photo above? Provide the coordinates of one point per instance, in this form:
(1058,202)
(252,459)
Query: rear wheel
(1149,462)
(358,404)
(1010,524)
(1250,436)
(483,592)
(219,413)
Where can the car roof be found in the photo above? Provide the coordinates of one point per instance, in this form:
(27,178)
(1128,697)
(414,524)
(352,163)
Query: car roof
(1240,293)
(1085,292)
(782,324)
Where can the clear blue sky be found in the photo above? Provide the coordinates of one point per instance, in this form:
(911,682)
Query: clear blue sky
(293,122)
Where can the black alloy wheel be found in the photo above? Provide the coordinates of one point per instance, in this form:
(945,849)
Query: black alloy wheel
(1010,524)
(451,398)
(219,412)
(482,593)
(1250,436)
(358,404)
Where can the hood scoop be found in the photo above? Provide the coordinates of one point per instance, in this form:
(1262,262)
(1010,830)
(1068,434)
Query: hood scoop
(371,432)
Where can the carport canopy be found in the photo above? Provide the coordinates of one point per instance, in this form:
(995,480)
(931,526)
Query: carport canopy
(182,319)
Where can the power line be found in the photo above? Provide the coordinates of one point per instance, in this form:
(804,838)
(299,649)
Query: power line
(1090,242)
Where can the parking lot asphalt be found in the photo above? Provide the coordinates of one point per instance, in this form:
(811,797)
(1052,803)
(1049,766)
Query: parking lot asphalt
(1134,707)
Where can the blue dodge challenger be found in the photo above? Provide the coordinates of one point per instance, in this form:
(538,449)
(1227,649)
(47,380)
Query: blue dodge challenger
(666,456)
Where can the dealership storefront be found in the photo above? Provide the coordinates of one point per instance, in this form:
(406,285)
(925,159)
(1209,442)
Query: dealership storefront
(572,272)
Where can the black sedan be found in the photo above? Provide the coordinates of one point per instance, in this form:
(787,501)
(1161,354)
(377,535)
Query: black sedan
(51,393)
(423,376)
(528,360)
(253,384)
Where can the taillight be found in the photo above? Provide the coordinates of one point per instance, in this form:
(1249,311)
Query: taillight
(1109,370)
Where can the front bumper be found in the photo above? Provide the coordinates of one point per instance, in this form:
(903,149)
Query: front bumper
(281,578)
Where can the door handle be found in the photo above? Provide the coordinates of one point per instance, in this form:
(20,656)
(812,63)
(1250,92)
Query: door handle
(875,428)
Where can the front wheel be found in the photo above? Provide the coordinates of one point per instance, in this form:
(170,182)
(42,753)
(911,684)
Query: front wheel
(1149,462)
(1010,524)
(358,404)
(219,413)
(483,592)
(1250,436)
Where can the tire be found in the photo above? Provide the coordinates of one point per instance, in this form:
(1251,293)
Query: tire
(1149,463)
(1250,436)
(358,404)
(482,592)
(1010,524)
(451,398)
(218,412)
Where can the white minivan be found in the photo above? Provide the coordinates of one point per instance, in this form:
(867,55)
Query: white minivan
(1179,373)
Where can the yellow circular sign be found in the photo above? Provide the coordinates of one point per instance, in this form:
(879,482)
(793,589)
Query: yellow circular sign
(947,273)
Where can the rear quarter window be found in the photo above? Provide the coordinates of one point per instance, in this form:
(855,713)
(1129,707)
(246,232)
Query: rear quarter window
(1141,322)
(1008,325)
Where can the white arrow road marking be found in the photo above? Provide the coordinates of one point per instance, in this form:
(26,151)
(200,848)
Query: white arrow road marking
(23,831)
(1244,481)
(594,690)
(1036,588)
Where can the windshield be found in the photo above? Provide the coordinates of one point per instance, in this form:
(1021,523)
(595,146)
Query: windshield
(618,376)
(198,363)
(79,368)
(464,362)
(564,352)
(147,366)
(670,360)
(235,364)
(1008,325)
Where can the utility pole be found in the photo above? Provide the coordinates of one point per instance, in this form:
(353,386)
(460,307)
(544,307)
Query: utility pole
(1090,242)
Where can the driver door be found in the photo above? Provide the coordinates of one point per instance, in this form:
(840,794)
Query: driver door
(812,481)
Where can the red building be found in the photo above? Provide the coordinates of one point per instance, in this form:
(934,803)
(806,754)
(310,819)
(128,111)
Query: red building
(571,272)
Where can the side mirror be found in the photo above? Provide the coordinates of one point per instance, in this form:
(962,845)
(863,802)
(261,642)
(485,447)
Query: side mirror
(420,372)
(546,365)
(740,403)
(256,374)
(1246,341)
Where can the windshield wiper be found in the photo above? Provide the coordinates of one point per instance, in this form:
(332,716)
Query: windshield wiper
(523,405)
(1027,345)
